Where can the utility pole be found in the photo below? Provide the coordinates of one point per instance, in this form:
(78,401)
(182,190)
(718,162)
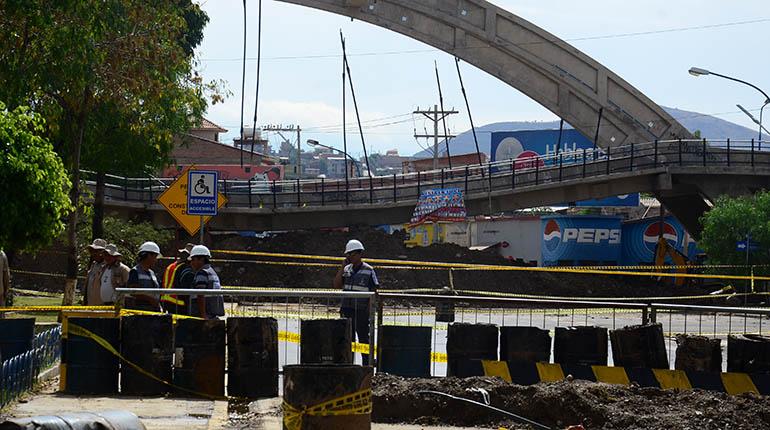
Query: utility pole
(436,116)
(290,128)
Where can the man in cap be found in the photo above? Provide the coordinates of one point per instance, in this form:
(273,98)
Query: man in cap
(142,276)
(115,275)
(210,307)
(91,293)
(356,276)
(172,303)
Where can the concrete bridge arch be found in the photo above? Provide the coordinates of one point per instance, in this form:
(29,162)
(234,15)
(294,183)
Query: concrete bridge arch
(547,69)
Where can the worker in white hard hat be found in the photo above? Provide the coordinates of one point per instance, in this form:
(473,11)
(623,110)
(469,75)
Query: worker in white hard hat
(206,307)
(355,275)
(142,276)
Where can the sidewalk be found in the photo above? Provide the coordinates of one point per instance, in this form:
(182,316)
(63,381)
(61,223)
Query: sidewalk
(161,413)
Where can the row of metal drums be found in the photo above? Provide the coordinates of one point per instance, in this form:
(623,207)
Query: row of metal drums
(194,355)
(190,355)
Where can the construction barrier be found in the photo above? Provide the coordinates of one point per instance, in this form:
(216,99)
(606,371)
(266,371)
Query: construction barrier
(532,373)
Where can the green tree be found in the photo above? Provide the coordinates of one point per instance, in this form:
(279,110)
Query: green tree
(731,220)
(95,67)
(35,201)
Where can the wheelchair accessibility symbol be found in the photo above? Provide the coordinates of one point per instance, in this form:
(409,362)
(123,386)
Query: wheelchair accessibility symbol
(202,192)
(201,187)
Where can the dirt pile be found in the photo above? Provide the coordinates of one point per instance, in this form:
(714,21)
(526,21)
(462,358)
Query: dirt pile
(560,404)
(378,245)
(381,245)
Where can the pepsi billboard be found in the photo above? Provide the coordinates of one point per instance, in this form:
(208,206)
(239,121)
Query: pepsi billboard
(640,238)
(525,146)
(581,240)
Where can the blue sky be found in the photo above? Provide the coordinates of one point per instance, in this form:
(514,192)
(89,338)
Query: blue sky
(301,68)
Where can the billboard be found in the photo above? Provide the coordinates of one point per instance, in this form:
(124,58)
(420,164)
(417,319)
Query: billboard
(580,240)
(439,205)
(525,146)
(640,237)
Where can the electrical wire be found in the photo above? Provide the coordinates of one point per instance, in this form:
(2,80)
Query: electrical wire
(243,77)
(518,418)
(256,92)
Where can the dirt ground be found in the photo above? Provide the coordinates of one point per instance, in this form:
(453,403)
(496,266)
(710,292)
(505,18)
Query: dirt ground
(561,404)
(379,245)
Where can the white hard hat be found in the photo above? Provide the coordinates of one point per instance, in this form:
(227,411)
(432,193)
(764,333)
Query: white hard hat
(354,245)
(200,250)
(150,247)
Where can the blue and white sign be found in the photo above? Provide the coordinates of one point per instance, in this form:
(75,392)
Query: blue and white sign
(528,146)
(744,246)
(580,240)
(202,192)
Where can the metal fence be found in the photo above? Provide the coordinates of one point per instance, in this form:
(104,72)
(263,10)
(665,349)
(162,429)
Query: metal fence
(493,176)
(19,374)
(291,307)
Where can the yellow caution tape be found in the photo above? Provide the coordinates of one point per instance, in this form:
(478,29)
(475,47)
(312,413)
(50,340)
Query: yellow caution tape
(358,403)
(55,308)
(474,267)
(76,330)
(53,275)
(604,299)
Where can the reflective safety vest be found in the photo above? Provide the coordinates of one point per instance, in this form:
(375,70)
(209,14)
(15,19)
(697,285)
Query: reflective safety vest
(168,282)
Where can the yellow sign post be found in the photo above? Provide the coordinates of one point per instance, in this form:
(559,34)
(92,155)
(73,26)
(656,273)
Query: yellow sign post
(174,199)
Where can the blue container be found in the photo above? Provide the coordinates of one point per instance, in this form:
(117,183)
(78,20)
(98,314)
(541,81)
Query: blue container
(91,369)
(581,240)
(16,336)
(640,237)
(405,351)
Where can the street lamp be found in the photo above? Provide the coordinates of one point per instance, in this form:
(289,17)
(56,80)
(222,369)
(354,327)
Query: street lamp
(313,142)
(697,71)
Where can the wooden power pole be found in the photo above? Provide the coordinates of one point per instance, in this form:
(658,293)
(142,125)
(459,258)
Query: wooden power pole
(436,116)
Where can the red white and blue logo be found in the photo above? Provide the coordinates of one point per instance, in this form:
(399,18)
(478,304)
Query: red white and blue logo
(652,233)
(552,235)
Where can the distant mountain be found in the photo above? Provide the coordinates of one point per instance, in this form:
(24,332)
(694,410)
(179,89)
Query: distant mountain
(710,127)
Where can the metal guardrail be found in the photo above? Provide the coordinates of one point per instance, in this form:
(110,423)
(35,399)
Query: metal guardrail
(19,374)
(290,307)
(497,176)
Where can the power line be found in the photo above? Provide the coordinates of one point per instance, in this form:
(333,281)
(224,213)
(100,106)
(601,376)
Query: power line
(486,46)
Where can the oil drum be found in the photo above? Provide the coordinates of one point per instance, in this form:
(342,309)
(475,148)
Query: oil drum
(147,341)
(326,341)
(199,357)
(252,357)
(404,351)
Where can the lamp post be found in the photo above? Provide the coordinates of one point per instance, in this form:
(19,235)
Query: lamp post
(697,71)
(312,142)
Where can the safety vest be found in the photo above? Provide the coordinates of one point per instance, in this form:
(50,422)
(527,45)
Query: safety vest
(168,282)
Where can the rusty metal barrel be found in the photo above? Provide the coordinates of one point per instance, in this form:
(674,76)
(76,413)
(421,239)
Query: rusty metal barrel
(16,336)
(199,357)
(580,345)
(147,341)
(639,346)
(525,345)
(748,353)
(698,353)
(252,357)
(404,351)
(86,367)
(467,343)
(327,396)
(326,341)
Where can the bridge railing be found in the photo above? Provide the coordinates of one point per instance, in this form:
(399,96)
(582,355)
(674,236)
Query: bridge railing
(492,176)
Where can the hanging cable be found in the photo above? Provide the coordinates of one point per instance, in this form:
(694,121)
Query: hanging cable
(355,104)
(256,92)
(243,77)
(470,117)
(344,128)
(443,118)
